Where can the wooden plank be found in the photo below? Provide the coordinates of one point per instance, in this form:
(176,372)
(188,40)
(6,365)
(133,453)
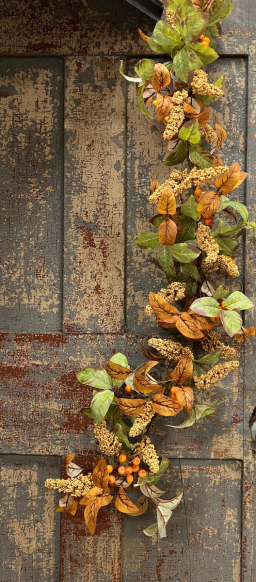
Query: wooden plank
(84,27)
(31,95)
(203,536)
(145,154)
(94,196)
(30,528)
(38,373)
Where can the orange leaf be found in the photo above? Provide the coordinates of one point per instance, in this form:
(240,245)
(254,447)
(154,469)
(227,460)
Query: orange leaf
(203,117)
(167,232)
(189,326)
(116,371)
(183,370)
(164,105)
(164,405)
(68,504)
(167,202)
(201,321)
(145,368)
(131,407)
(100,475)
(208,203)
(124,504)
(231,179)
(247,333)
(92,493)
(221,133)
(198,5)
(184,395)
(154,184)
(217,161)
(164,312)
(143,385)
(91,510)
(161,77)
(190,111)
(68,459)
(143,36)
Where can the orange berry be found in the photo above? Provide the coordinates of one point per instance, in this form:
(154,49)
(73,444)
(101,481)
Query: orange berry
(198,192)
(121,470)
(111,479)
(122,458)
(233,261)
(229,274)
(136,460)
(207,39)
(222,305)
(128,470)
(201,37)
(129,478)
(128,389)
(212,318)
(229,257)
(154,102)
(109,468)
(205,43)
(208,221)
(142,473)
(210,325)
(135,468)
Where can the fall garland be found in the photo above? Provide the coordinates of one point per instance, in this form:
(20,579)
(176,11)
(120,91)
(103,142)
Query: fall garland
(197,225)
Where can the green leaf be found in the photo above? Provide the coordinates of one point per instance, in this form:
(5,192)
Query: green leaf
(95,378)
(100,404)
(204,53)
(222,8)
(178,155)
(147,240)
(120,359)
(185,61)
(191,287)
(198,370)
(231,321)
(225,229)
(183,253)
(157,220)
(206,306)
(190,420)
(226,245)
(188,229)
(194,26)
(121,435)
(200,157)
(189,208)
(212,30)
(164,258)
(190,131)
(190,271)
(131,79)
(87,412)
(238,206)
(140,103)
(210,358)
(165,37)
(238,300)
(202,410)
(151,530)
(145,69)
(221,293)
(153,478)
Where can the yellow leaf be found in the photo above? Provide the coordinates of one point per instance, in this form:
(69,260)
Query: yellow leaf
(167,232)
(124,504)
(131,407)
(167,202)
(100,475)
(161,77)
(117,371)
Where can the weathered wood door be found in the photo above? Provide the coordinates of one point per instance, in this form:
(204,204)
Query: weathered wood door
(76,159)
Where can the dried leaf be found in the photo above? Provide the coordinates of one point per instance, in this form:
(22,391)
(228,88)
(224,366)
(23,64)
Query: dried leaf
(204,116)
(154,184)
(209,203)
(91,511)
(246,333)
(73,470)
(184,395)
(189,326)
(183,370)
(91,494)
(100,475)
(151,491)
(143,385)
(131,406)
(221,133)
(67,503)
(117,371)
(164,405)
(164,105)
(198,5)
(167,232)
(167,202)
(161,77)
(164,312)
(217,161)
(231,179)
(68,459)
(143,36)
(142,505)
(124,504)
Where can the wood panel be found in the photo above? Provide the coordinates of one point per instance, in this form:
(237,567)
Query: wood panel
(31,96)
(85,27)
(203,536)
(94,196)
(30,528)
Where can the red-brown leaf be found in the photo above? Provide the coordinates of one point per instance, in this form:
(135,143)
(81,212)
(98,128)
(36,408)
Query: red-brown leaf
(167,232)
(164,105)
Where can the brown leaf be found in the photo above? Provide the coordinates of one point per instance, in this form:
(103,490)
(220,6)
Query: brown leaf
(142,505)
(68,459)
(93,492)
(203,117)
(91,510)
(143,385)
(247,333)
(154,184)
(164,311)
(208,203)
(143,36)
(116,371)
(190,111)
(167,232)
(145,368)
(221,133)
(183,370)
(161,77)
(184,395)
(164,105)
(189,326)
(100,475)
(217,161)
(68,504)
(167,202)
(131,406)
(198,5)
(201,321)
(164,405)
(151,491)
(231,179)
(124,504)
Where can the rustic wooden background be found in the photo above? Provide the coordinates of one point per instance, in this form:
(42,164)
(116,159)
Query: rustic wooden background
(76,159)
